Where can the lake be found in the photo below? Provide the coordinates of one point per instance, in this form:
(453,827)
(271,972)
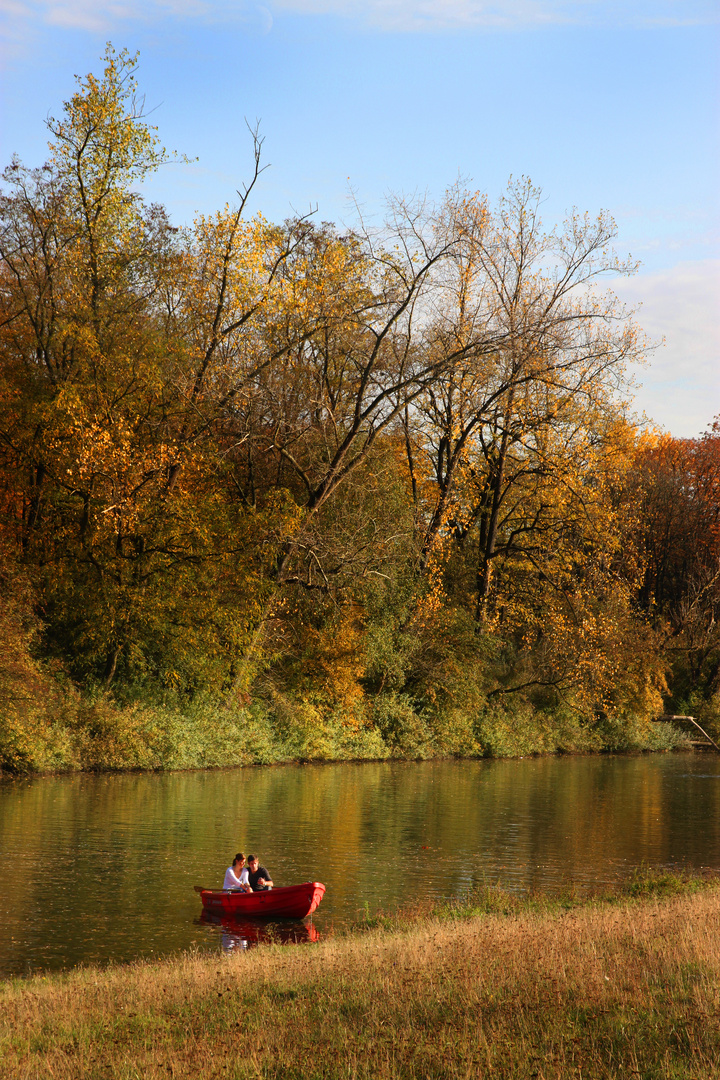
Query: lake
(97,868)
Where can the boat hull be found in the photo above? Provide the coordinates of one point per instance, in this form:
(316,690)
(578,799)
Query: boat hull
(288,902)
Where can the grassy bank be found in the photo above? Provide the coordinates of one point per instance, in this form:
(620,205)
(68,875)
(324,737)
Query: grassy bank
(67,732)
(497,988)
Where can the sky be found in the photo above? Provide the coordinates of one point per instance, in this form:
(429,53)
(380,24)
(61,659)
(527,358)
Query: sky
(604,105)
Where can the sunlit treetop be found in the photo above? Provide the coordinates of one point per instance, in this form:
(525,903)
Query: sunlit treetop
(102,144)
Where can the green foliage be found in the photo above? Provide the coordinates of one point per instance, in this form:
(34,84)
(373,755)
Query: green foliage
(648,882)
(401,725)
(631,732)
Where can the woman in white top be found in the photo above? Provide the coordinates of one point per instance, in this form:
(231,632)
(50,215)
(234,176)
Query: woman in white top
(236,876)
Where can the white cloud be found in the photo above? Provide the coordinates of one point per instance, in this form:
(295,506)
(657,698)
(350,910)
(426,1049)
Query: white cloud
(106,15)
(681,384)
(398,15)
(421,15)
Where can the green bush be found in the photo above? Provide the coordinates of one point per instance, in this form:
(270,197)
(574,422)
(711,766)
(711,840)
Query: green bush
(402,728)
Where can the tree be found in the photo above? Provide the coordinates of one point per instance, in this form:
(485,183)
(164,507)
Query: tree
(547,354)
(677,484)
(97,416)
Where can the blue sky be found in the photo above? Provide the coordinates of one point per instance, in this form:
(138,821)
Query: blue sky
(604,105)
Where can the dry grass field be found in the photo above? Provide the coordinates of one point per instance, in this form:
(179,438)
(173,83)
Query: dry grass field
(628,988)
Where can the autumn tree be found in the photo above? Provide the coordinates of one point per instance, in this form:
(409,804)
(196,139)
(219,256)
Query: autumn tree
(506,447)
(103,387)
(677,487)
(544,350)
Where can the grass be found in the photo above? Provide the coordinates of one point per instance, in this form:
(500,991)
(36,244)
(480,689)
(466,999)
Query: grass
(625,987)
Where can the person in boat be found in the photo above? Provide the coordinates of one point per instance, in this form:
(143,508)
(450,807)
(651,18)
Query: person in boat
(259,878)
(237,876)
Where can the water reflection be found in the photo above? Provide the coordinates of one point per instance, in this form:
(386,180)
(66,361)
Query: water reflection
(244,933)
(98,868)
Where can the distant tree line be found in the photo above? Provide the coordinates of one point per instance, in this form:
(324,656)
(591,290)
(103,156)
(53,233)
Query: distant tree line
(382,478)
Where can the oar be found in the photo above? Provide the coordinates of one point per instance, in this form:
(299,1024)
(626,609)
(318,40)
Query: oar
(199,888)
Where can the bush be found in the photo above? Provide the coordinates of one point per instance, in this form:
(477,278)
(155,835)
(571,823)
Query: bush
(402,728)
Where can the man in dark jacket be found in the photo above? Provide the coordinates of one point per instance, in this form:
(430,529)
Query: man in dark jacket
(260,880)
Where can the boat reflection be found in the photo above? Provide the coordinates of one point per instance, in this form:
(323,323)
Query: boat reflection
(245,933)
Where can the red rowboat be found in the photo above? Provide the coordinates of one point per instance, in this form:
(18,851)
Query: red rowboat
(290,902)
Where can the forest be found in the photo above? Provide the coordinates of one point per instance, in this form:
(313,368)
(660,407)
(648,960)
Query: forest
(277,492)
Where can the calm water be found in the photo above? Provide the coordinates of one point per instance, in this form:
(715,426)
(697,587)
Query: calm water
(97,868)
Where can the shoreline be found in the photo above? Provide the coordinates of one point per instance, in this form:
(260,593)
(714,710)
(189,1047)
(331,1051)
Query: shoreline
(9,777)
(499,985)
(673,740)
(86,733)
